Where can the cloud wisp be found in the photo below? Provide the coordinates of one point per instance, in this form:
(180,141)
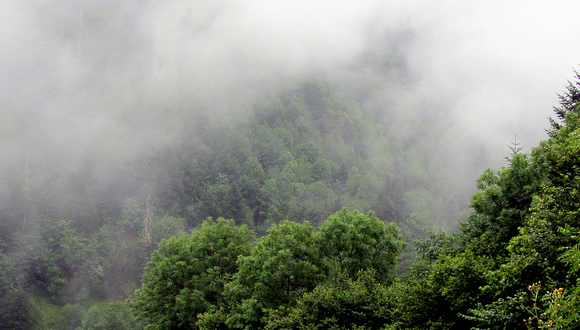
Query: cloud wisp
(113,78)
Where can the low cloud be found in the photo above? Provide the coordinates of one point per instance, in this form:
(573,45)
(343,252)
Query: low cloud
(454,78)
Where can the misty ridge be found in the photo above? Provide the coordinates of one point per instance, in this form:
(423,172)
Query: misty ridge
(126,123)
(103,83)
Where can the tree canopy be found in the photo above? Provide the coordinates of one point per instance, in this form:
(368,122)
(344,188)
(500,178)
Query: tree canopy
(284,271)
(187,274)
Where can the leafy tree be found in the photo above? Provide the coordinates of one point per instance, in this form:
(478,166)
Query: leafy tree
(187,274)
(282,266)
(563,305)
(58,256)
(547,227)
(456,275)
(416,298)
(501,205)
(438,295)
(293,265)
(535,252)
(344,303)
(352,241)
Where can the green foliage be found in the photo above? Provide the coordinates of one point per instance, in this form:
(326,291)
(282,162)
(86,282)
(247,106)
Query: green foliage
(525,215)
(303,153)
(14,308)
(434,244)
(416,300)
(345,303)
(110,316)
(352,241)
(125,245)
(47,315)
(294,267)
(84,232)
(437,295)
(212,320)
(501,205)
(552,225)
(283,265)
(558,308)
(187,274)
(62,263)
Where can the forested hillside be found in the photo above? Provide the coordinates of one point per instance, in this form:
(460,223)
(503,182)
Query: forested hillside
(233,164)
(71,239)
(303,153)
(321,205)
(513,264)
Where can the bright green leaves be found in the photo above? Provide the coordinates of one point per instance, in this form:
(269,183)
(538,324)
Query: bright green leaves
(459,278)
(295,265)
(186,276)
(294,272)
(353,241)
(282,266)
(286,262)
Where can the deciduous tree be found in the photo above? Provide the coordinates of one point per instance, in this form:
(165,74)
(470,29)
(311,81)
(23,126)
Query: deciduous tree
(187,274)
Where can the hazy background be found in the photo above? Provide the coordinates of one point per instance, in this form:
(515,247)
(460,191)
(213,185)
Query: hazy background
(110,80)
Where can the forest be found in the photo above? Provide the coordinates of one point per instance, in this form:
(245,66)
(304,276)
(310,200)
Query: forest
(299,216)
(233,164)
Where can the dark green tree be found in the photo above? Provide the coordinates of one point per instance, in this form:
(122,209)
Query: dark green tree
(500,206)
(344,303)
(546,222)
(15,310)
(569,102)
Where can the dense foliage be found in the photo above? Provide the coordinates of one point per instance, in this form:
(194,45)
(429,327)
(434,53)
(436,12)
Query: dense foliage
(290,273)
(78,233)
(187,274)
(303,154)
(520,241)
(143,251)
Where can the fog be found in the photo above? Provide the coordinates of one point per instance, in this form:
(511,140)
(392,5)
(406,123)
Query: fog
(112,79)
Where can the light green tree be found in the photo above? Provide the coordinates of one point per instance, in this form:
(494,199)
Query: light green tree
(352,241)
(187,274)
(284,265)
